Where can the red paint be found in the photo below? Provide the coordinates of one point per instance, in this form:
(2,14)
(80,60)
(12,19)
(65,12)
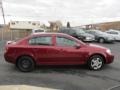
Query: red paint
(55,55)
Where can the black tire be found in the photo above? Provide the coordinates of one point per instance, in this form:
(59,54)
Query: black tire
(101,40)
(95,62)
(25,64)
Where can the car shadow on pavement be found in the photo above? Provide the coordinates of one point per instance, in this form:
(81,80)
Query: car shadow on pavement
(61,69)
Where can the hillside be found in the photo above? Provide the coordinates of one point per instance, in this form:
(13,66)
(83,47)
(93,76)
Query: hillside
(107,25)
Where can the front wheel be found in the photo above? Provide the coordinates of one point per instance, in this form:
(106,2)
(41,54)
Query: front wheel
(25,64)
(96,62)
(101,40)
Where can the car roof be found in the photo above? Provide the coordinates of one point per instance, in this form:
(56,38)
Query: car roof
(49,33)
(113,30)
(92,30)
(39,29)
(68,28)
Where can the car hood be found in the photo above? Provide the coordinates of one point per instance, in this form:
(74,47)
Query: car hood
(96,46)
(106,35)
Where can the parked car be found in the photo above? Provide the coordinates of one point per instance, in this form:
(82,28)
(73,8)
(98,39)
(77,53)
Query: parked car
(78,33)
(101,37)
(55,49)
(115,34)
(37,31)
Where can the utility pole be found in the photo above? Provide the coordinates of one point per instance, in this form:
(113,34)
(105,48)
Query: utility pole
(3,12)
(3,15)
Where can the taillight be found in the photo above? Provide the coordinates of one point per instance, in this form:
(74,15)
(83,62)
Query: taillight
(6,49)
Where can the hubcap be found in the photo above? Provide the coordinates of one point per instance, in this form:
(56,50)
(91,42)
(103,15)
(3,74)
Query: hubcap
(96,63)
(101,40)
(25,64)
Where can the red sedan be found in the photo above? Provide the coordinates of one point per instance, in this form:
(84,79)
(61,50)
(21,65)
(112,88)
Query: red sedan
(55,49)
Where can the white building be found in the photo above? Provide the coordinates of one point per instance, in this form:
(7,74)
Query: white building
(20,29)
(25,25)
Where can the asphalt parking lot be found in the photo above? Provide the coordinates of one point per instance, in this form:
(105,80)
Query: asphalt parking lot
(64,77)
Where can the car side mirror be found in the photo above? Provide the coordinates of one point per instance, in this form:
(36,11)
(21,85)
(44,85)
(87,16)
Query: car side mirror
(77,46)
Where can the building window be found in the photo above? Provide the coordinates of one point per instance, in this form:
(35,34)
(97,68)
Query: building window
(17,22)
(33,23)
(13,23)
(29,22)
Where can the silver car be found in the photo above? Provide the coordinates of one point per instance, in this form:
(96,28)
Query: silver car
(100,36)
(115,34)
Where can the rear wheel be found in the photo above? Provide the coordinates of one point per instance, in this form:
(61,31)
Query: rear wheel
(96,62)
(25,64)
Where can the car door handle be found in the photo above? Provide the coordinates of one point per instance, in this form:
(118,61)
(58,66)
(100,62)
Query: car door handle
(62,50)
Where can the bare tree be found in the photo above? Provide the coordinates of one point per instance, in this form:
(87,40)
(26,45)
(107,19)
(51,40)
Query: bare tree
(68,24)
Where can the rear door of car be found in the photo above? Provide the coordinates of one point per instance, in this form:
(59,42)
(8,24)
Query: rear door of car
(43,48)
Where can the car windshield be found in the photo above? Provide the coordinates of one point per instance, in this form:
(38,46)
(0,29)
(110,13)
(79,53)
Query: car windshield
(39,31)
(79,31)
(100,32)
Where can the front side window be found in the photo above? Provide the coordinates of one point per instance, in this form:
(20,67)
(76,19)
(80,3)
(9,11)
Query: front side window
(72,32)
(63,41)
(42,40)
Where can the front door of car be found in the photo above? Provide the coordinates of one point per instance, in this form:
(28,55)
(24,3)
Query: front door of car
(68,51)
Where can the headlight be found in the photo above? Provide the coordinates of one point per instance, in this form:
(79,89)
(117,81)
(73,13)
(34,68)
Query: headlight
(110,38)
(88,38)
(108,51)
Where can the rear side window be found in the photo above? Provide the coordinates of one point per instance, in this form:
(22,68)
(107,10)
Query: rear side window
(112,32)
(42,40)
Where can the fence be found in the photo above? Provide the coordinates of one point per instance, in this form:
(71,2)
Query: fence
(7,34)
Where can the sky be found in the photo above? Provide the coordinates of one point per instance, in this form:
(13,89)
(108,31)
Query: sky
(77,12)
